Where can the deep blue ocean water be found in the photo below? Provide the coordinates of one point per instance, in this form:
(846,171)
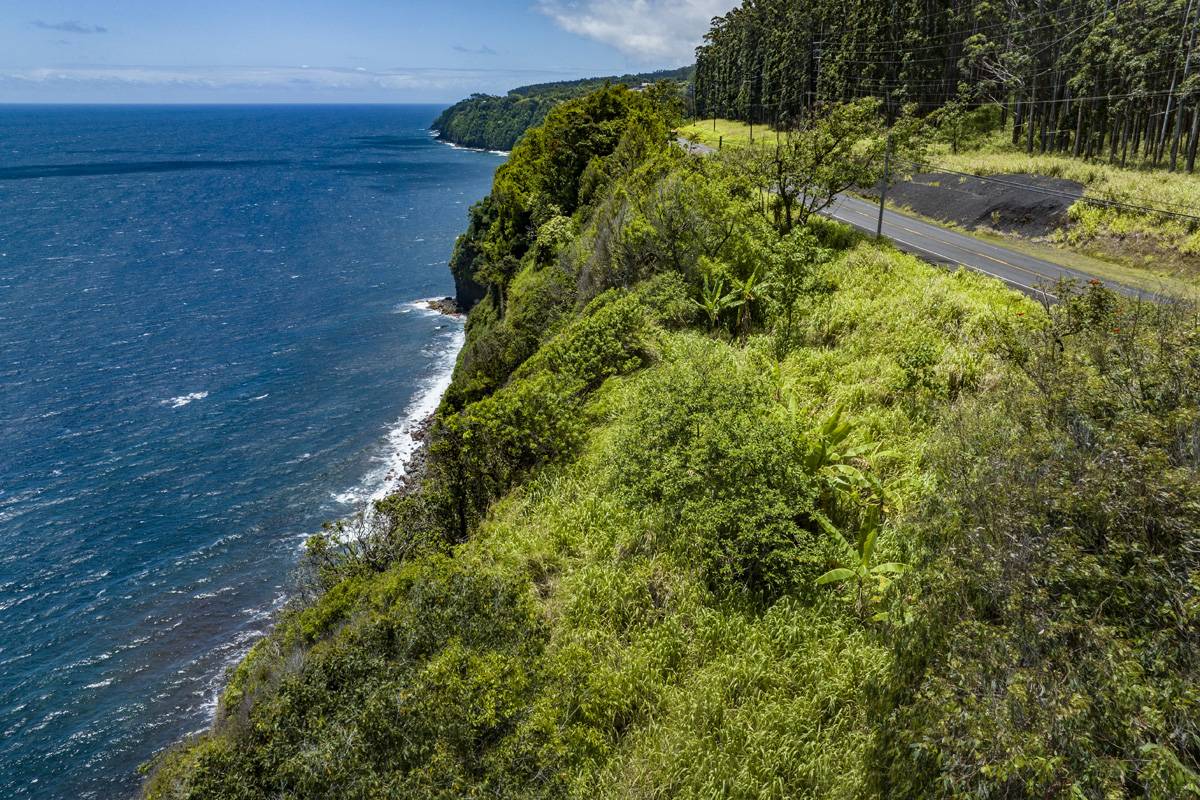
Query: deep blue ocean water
(208,346)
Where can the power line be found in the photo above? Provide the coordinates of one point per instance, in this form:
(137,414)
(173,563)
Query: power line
(1144,94)
(1056,193)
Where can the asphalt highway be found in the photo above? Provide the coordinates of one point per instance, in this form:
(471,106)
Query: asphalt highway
(950,248)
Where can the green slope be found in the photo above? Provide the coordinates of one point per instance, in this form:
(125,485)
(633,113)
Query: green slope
(715,510)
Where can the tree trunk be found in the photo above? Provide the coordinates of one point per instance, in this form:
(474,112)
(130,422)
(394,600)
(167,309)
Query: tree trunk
(1192,140)
(1162,136)
(1078,143)
(1029,126)
(1125,137)
(1148,139)
(1187,65)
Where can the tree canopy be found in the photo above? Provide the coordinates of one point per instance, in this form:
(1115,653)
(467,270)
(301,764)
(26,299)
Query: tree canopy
(1089,78)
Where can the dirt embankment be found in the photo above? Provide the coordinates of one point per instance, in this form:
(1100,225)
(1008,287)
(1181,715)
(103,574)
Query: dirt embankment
(1027,205)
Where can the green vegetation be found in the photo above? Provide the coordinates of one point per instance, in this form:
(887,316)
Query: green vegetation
(1120,82)
(490,122)
(1118,242)
(1142,239)
(723,503)
(720,132)
(1105,95)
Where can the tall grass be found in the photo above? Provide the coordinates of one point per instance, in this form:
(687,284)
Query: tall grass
(1147,187)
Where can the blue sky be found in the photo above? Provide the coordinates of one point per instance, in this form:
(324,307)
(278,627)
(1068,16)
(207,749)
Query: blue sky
(329,50)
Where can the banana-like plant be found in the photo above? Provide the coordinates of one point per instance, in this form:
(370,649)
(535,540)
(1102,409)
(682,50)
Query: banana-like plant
(746,292)
(713,300)
(858,567)
(837,464)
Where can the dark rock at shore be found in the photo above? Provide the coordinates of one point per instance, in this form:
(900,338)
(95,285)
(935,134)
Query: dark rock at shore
(467,290)
(446,305)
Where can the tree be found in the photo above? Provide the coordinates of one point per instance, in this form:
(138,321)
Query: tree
(840,147)
(792,261)
(1070,77)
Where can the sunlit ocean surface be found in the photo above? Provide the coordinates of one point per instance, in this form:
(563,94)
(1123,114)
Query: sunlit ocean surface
(208,346)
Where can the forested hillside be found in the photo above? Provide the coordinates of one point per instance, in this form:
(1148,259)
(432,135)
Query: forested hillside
(491,122)
(1119,80)
(726,501)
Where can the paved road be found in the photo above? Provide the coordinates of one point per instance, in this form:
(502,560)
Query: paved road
(943,246)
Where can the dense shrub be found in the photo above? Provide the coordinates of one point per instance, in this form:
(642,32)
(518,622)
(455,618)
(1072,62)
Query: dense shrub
(433,667)
(607,584)
(1055,648)
(703,438)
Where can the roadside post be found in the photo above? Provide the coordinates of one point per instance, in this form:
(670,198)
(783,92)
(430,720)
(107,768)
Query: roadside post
(887,163)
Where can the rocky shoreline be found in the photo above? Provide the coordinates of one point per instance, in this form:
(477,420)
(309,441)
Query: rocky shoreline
(446,305)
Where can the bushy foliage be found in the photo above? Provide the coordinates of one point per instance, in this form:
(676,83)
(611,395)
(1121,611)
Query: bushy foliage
(496,123)
(871,530)
(1055,648)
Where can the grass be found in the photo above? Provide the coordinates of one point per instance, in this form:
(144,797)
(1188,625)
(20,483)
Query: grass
(706,692)
(1167,247)
(716,133)
(1156,281)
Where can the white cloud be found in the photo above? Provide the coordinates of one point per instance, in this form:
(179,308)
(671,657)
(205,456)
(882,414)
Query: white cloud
(650,30)
(299,80)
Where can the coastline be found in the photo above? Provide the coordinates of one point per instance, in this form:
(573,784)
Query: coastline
(407,450)
(436,134)
(408,439)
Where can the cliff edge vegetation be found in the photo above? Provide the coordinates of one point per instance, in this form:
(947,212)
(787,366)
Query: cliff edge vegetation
(727,501)
(496,122)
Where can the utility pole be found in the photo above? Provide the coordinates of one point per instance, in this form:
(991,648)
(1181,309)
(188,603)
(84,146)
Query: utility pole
(887,163)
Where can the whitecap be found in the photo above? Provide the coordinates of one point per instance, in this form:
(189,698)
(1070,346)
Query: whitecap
(183,399)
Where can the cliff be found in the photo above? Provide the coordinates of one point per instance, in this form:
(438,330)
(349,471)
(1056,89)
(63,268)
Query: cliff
(491,122)
(717,506)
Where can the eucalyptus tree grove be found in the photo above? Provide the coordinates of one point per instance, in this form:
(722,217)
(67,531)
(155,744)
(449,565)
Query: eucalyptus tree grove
(1117,80)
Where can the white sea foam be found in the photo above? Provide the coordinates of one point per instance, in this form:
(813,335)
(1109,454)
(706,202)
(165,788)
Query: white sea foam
(403,438)
(183,399)
(238,647)
(504,153)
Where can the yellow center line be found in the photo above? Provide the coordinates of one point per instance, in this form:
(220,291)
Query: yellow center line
(1035,273)
(924,249)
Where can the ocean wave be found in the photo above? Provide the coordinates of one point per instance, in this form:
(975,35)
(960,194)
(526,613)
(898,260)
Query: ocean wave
(404,438)
(504,153)
(183,399)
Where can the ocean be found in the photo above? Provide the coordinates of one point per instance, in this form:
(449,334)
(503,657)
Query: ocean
(211,342)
